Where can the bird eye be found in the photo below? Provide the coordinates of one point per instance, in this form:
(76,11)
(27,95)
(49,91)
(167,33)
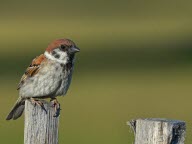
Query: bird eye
(63,47)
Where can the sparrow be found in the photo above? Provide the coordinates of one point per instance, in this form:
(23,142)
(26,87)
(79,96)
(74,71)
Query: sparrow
(48,76)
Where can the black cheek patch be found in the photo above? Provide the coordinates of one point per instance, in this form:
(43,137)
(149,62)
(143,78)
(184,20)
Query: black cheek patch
(57,56)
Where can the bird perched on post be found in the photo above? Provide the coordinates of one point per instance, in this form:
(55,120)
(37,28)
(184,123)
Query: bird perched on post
(48,76)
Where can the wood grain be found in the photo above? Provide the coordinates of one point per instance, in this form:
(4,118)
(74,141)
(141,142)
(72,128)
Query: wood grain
(41,127)
(158,131)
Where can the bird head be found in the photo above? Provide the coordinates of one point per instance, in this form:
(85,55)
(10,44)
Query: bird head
(61,50)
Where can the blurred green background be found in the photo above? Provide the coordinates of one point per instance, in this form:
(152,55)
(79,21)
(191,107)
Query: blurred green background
(135,62)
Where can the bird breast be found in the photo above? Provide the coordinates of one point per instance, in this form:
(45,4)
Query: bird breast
(53,79)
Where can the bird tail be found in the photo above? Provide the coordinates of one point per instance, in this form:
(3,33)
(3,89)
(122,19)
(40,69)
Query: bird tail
(17,109)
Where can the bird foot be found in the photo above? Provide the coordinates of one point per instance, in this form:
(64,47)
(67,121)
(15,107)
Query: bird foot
(37,102)
(56,106)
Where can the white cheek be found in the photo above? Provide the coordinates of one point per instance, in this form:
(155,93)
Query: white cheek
(62,59)
(63,56)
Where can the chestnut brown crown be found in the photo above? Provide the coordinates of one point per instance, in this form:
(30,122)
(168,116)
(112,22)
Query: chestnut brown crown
(63,44)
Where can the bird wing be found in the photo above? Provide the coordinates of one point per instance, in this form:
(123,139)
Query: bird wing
(32,69)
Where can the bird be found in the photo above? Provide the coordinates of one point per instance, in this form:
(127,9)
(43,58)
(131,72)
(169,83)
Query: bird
(48,76)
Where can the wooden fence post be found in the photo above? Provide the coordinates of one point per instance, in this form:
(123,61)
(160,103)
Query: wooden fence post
(158,131)
(41,127)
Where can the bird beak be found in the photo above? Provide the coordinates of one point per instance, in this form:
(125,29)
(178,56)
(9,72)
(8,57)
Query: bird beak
(74,50)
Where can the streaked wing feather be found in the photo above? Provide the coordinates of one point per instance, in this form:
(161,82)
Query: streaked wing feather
(32,69)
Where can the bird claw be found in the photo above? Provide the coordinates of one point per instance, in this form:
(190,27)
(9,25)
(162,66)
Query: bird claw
(56,106)
(37,102)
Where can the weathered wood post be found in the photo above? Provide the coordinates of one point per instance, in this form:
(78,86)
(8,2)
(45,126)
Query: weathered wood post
(158,131)
(41,127)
